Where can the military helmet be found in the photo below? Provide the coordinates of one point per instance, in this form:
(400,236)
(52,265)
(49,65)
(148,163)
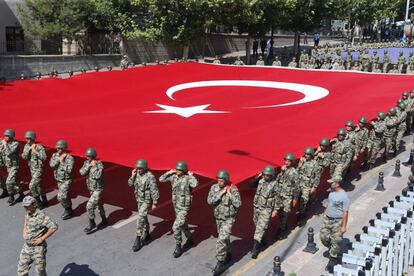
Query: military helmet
(9,133)
(290,157)
(90,152)
(181,166)
(399,100)
(402,105)
(341,131)
(393,111)
(406,94)
(324,142)
(310,151)
(385,51)
(381,115)
(223,174)
(269,170)
(61,144)
(350,124)
(141,164)
(30,135)
(363,120)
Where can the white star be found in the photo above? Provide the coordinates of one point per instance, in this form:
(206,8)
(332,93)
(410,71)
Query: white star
(185,112)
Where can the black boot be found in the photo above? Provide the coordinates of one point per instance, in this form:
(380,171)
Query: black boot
(301,219)
(147,237)
(219,268)
(39,203)
(91,227)
(19,198)
(178,251)
(137,244)
(255,250)
(45,201)
(103,223)
(188,243)
(332,262)
(4,194)
(326,254)
(67,214)
(10,200)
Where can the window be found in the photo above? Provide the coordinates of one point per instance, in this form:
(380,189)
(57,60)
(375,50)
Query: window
(14,39)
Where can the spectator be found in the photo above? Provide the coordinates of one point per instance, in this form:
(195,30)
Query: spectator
(255,47)
(316,38)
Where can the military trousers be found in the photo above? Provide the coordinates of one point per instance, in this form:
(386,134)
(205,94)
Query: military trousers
(32,254)
(142,220)
(284,210)
(261,217)
(223,245)
(373,148)
(93,203)
(338,169)
(402,128)
(180,225)
(304,197)
(63,193)
(12,181)
(35,184)
(331,235)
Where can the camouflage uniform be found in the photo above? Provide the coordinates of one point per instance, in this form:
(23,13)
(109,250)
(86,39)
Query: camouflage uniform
(391,123)
(287,189)
(401,62)
(182,197)
(361,139)
(36,225)
(63,176)
(386,62)
(375,140)
(36,163)
(401,125)
(10,157)
(95,184)
(225,210)
(308,178)
(341,156)
(146,193)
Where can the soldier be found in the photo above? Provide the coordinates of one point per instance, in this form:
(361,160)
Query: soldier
(375,57)
(322,155)
(376,138)
(385,62)
(216,60)
(401,62)
(401,125)
(10,156)
(394,69)
(335,221)
(37,228)
(276,62)
(308,180)
(225,200)
(348,60)
(410,112)
(293,63)
(376,68)
(147,195)
(238,61)
(124,62)
(411,58)
(62,164)
(35,156)
(93,170)
(356,66)
(260,61)
(351,137)
(365,61)
(361,139)
(183,182)
(287,190)
(263,205)
(341,154)
(391,122)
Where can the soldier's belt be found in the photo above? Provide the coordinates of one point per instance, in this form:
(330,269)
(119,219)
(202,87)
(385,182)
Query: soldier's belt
(332,218)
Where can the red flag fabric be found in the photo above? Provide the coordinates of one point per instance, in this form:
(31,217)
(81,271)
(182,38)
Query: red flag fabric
(213,116)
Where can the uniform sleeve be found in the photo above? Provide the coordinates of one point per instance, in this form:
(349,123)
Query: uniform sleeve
(166,177)
(54,161)
(316,171)
(131,180)
(85,168)
(235,198)
(69,163)
(295,183)
(49,223)
(192,181)
(26,151)
(213,196)
(98,171)
(41,153)
(155,193)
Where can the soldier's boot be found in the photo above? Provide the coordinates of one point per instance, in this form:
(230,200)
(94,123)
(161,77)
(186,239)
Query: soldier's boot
(45,201)
(178,251)
(219,268)
(255,250)
(384,158)
(228,258)
(67,214)
(332,262)
(147,236)
(103,223)
(137,244)
(91,227)
(19,198)
(11,199)
(302,219)
(4,194)
(39,203)
(326,254)
(189,243)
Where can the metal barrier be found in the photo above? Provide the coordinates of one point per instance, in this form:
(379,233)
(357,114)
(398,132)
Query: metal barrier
(386,246)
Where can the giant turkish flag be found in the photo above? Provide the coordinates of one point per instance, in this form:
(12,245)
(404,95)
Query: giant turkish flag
(213,116)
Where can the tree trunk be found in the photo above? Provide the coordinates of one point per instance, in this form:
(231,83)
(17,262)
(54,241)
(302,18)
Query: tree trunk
(186,50)
(296,44)
(248,43)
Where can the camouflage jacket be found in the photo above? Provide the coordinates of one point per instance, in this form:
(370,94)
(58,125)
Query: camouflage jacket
(324,161)
(10,154)
(287,183)
(353,143)
(308,173)
(265,195)
(62,171)
(36,225)
(391,123)
(361,137)
(182,187)
(386,59)
(401,118)
(378,129)
(224,206)
(94,180)
(145,186)
(342,152)
(34,160)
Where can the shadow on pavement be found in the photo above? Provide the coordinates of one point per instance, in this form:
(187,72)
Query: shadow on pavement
(73,269)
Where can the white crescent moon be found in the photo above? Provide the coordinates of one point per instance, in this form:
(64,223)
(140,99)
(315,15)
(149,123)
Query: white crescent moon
(311,92)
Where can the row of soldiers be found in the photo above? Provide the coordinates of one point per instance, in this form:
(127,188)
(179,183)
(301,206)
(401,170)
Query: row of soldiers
(276,194)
